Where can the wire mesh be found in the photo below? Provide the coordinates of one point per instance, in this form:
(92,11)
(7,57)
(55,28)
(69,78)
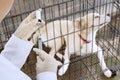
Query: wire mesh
(81,67)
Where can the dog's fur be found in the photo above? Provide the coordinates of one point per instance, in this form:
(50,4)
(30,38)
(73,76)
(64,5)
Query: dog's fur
(58,31)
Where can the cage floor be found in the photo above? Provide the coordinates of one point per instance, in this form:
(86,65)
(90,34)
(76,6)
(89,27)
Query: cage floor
(84,70)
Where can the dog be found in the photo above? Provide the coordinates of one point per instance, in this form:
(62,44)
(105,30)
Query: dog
(84,43)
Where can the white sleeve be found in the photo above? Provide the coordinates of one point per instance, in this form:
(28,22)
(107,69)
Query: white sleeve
(17,50)
(10,72)
(46,76)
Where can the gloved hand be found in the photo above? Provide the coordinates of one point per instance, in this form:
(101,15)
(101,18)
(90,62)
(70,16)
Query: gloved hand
(45,62)
(28,27)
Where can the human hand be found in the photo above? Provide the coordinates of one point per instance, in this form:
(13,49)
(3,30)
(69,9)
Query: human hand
(45,62)
(28,27)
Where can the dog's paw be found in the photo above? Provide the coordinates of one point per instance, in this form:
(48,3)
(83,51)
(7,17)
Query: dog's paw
(61,71)
(108,73)
(114,73)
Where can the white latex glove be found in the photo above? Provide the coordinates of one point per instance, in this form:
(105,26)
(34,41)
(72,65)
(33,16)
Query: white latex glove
(28,27)
(45,62)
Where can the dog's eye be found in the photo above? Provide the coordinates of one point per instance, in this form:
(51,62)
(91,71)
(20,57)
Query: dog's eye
(97,16)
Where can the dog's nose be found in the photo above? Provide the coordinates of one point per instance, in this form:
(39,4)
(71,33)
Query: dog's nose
(108,14)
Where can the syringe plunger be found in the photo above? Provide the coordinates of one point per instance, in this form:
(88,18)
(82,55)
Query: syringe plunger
(38,15)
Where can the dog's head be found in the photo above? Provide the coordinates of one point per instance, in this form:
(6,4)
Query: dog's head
(93,20)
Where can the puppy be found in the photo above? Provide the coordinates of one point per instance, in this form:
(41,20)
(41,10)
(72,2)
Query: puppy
(83,42)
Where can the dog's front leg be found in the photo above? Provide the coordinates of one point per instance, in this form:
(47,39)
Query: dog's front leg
(55,45)
(65,65)
(105,69)
(52,52)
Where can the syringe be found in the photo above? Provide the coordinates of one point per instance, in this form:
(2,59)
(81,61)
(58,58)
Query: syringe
(38,17)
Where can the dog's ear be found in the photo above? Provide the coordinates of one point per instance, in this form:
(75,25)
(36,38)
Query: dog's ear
(81,23)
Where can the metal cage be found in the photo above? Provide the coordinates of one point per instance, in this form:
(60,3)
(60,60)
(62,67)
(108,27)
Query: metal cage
(81,68)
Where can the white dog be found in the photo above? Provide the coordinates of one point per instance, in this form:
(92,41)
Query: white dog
(83,42)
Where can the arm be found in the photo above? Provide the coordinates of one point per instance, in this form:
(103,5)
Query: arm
(7,69)
(18,47)
(17,50)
